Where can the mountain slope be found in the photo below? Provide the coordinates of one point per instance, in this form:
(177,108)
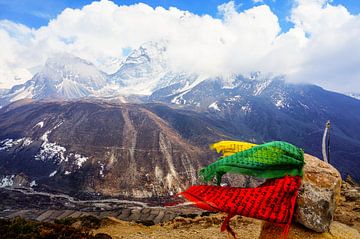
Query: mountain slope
(271,109)
(119,150)
(64,77)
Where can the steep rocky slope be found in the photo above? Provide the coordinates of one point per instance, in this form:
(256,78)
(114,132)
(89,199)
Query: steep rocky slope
(95,147)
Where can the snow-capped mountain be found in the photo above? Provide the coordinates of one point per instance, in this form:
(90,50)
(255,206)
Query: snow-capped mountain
(255,108)
(144,66)
(146,70)
(64,77)
(207,93)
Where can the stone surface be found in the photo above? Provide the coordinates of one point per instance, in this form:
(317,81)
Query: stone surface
(318,195)
(348,210)
(337,230)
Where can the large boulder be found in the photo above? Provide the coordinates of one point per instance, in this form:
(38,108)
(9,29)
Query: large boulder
(315,205)
(318,195)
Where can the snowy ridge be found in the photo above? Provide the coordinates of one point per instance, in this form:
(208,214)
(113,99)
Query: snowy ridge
(64,76)
(144,72)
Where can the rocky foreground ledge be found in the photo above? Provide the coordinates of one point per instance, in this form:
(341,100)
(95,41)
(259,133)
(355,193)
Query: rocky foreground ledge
(322,199)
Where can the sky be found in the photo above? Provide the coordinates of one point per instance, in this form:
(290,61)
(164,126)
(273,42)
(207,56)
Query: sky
(307,41)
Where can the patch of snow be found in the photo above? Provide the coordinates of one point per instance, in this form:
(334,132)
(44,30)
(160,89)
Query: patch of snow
(261,86)
(194,83)
(80,160)
(52,174)
(27,142)
(214,106)
(22,93)
(7,181)
(45,136)
(6,144)
(246,108)
(40,124)
(280,104)
(33,183)
(280,101)
(228,87)
(179,100)
(50,151)
(67,172)
(234,98)
(9,143)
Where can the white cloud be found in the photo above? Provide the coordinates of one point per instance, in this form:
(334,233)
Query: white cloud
(331,56)
(322,48)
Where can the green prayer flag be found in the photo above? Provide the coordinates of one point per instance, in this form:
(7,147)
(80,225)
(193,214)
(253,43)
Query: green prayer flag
(270,160)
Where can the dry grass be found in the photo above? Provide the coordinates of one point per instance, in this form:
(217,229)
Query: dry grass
(185,228)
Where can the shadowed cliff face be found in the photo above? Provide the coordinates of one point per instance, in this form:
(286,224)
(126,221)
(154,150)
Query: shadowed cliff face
(118,150)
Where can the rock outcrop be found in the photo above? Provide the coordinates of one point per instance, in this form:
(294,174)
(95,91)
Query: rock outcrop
(318,195)
(348,210)
(315,206)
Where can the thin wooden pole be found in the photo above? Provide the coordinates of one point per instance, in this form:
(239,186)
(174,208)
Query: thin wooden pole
(326,150)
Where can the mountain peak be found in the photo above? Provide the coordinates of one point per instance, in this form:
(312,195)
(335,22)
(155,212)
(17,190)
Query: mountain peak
(64,69)
(63,76)
(143,68)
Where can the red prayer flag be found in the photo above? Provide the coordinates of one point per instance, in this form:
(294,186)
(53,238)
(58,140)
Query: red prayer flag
(273,201)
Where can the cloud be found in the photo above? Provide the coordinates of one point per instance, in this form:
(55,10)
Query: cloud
(331,55)
(322,47)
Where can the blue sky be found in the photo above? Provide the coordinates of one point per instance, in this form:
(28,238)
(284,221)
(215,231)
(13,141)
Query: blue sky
(36,13)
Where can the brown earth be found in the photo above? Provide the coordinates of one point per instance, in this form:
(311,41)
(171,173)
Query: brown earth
(346,225)
(209,228)
(199,227)
(348,210)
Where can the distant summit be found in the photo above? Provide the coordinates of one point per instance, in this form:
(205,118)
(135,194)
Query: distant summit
(63,76)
